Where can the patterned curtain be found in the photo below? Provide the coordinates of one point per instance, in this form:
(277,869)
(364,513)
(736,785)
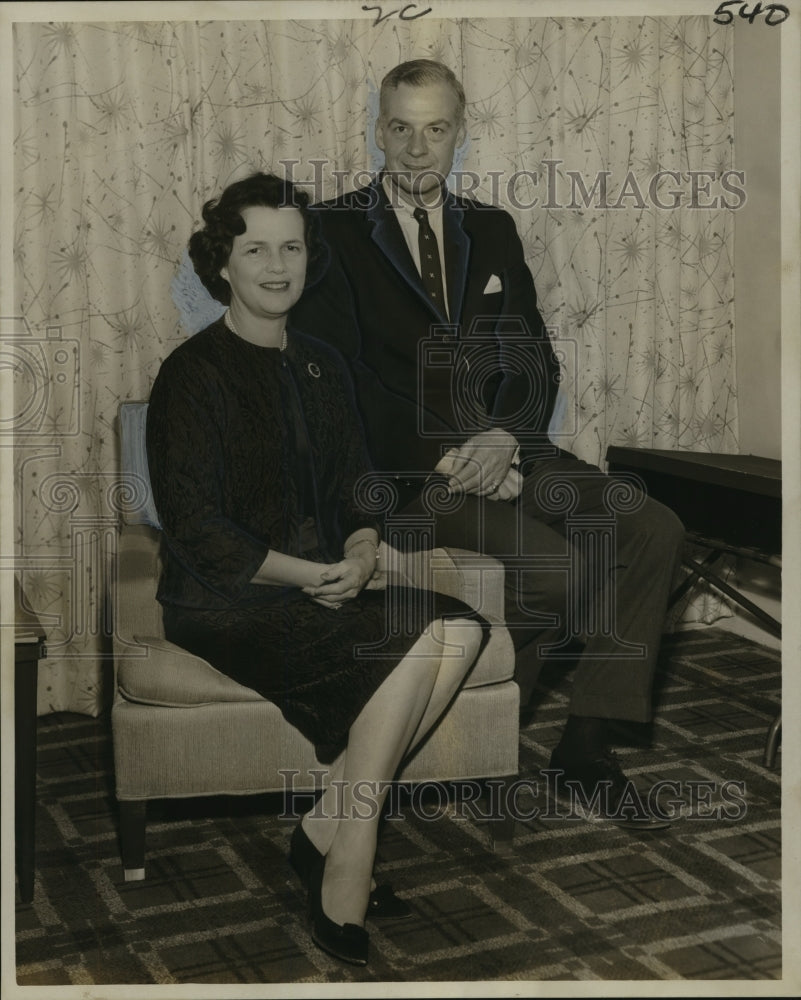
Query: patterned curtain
(122,131)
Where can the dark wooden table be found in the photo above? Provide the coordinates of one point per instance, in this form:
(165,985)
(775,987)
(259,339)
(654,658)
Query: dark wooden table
(734,498)
(29,648)
(729,504)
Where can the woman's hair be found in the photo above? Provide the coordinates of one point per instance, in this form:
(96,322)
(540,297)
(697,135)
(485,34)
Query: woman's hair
(210,247)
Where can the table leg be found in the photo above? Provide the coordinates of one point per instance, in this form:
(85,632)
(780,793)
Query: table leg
(25,692)
(771,624)
(772,742)
(693,578)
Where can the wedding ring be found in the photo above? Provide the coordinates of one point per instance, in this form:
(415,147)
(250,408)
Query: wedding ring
(494,486)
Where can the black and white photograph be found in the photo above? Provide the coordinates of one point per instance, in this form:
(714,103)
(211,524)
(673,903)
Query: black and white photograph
(400,432)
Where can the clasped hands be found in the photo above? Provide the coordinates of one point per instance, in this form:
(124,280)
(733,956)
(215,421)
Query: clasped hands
(344,580)
(483,466)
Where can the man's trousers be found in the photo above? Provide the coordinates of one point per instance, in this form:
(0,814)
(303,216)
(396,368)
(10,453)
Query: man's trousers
(590,561)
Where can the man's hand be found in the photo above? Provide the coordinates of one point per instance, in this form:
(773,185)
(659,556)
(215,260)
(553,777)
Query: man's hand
(482,465)
(509,488)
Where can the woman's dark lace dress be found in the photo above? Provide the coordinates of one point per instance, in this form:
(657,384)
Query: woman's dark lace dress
(249,449)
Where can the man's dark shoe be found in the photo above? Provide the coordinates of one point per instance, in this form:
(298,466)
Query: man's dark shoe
(602,791)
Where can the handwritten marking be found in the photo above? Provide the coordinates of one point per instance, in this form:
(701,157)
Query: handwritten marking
(401,12)
(775,13)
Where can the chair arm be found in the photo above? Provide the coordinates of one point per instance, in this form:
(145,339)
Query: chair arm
(138,568)
(164,674)
(480,578)
(476,579)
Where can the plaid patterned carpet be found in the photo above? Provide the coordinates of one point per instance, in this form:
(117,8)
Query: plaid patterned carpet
(572,900)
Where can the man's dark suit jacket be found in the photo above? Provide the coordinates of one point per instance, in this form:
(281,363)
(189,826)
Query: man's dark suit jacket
(424,381)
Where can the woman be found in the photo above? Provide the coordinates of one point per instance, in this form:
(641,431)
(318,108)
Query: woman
(254,448)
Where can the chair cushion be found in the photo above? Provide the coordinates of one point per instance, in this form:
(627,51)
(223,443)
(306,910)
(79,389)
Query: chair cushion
(169,676)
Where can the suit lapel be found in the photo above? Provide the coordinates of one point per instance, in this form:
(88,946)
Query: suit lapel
(388,236)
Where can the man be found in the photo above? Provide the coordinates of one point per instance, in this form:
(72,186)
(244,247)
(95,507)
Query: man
(430,299)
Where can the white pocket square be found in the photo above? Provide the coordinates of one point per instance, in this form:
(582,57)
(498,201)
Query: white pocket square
(493,285)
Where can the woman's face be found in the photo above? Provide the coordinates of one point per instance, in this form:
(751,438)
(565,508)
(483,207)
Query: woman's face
(267,266)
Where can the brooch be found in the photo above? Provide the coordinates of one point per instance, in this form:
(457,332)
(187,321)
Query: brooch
(314,371)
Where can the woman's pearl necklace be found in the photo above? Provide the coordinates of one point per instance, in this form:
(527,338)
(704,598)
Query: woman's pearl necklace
(230,324)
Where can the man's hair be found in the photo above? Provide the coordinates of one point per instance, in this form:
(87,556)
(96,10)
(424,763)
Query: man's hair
(418,73)
(210,247)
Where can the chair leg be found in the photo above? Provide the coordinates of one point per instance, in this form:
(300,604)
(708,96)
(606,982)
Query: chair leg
(772,741)
(502,822)
(132,838)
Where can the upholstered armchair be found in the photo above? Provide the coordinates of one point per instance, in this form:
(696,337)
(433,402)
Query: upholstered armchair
(181,728)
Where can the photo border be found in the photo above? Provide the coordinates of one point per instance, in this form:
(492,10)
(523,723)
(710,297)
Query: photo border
(790,196)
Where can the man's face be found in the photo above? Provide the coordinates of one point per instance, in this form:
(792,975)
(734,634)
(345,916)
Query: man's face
(418,130)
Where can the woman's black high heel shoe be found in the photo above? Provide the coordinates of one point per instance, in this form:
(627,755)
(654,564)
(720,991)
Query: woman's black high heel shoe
(304,857)
(347,942)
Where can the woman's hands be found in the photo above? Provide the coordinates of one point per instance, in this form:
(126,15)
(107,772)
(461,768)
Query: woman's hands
(332,584)
(341,582)
(344,580)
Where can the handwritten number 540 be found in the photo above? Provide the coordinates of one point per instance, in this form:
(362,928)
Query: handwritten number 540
(774,13)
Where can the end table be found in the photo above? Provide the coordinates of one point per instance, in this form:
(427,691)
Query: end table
(29,648)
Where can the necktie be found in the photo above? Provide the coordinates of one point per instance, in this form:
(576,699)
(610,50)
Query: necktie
(430,268)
